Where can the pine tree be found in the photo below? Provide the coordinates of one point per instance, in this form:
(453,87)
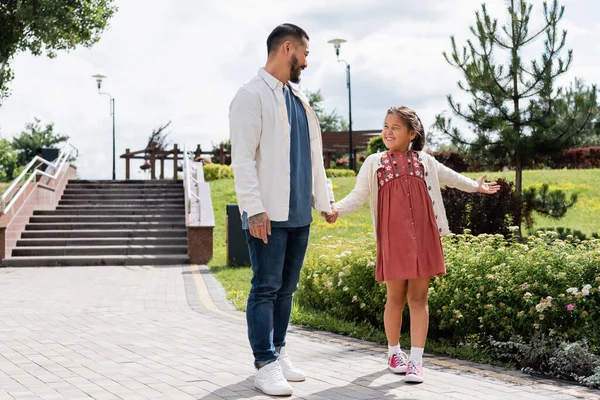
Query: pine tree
(514,110)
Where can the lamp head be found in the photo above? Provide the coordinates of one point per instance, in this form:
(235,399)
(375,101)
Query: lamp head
(99,79)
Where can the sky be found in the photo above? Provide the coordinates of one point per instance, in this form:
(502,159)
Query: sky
(183,61)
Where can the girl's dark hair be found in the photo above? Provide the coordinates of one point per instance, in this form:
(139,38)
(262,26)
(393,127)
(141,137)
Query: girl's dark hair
(413,123)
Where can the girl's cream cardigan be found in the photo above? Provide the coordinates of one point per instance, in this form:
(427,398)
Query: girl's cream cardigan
(436,174)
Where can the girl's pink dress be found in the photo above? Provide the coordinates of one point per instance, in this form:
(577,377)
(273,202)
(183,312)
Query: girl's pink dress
(408,240)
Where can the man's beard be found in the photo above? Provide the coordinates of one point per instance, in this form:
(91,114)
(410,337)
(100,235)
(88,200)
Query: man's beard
(295,69)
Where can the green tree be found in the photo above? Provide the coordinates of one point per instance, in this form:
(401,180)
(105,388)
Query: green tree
(329,122)
(515,111)
(216,152)
(8,161)
(577,96)
(48,26)
(29,143)
(376,145)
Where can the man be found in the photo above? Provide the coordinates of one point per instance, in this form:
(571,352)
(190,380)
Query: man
(277,160)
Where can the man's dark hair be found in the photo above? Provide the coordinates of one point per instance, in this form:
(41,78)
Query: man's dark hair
(285,32)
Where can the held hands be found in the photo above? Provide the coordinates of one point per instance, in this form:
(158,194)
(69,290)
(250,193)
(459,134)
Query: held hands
(487,188)
(330,218)
(260,226)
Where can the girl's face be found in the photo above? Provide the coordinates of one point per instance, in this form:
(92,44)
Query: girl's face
(396,135)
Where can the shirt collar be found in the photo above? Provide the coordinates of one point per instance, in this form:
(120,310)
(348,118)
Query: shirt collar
(269,79)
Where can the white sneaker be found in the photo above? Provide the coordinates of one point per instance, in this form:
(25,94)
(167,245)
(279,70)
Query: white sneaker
(269,379)
(290,372)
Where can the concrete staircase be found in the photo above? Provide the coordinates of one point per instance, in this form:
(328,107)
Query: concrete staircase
(108,223)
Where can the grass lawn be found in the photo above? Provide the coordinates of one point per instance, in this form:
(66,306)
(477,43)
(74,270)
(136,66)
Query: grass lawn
(584,216)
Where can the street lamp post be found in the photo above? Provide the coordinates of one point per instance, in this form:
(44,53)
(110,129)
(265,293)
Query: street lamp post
(112,113)
(337,43)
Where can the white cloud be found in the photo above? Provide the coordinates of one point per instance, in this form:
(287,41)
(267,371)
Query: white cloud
(183,61)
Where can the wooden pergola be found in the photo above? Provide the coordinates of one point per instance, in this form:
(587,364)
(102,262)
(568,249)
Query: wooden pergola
(338,142)
(152,155)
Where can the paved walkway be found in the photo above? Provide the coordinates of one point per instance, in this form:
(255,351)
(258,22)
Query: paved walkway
(167,333)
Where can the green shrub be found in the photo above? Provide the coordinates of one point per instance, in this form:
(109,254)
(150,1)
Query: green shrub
(564,233)
(339,173)
(493,287)
(550,356)
(212,172)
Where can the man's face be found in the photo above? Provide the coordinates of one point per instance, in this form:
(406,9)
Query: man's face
(298,62)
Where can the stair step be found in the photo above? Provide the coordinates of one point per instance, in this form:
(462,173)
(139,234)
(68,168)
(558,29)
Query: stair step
(112,211)
(102,206)
(104,233)
(104,241)
(97,250)
(123,187)
(131,196)
(119,203)
(44,261)
(153,182)
(104,225)
(144,191)
(65,219)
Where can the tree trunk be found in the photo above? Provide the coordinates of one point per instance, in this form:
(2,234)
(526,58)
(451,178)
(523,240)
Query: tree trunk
(517,114)
(519,173)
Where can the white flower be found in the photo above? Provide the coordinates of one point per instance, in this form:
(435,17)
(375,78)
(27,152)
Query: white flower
(572,290)
(585,292)
(541,307)
(527,296)
(362,305)
(345,288)
(371,264)
(354,299)
(315,275)
(586,287)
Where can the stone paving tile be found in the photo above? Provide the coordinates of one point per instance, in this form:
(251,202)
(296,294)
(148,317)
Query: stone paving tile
(143,333)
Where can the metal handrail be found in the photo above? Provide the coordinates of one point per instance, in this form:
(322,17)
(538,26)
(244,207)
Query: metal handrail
(65,155)
(190,182)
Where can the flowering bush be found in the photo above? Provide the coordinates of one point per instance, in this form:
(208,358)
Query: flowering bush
(212,172)
(494,287)
(339,277)
(339,173)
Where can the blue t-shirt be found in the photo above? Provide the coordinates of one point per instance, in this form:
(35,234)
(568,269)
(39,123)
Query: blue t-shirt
(300,213)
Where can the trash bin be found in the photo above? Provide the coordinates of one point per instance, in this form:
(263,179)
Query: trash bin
(237,249)
(48,154)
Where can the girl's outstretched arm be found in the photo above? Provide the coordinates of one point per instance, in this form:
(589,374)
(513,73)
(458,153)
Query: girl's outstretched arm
(453,179)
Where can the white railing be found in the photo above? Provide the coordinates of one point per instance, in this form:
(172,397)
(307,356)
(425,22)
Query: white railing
(191,182)
(31,171)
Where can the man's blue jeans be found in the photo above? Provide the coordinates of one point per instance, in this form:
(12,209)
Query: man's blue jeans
(275,275)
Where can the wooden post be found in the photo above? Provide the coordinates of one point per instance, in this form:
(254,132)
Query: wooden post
(222,154)
(162,167)
(152,163)
(198,153)
(175,157)
(127,159)
(328,160)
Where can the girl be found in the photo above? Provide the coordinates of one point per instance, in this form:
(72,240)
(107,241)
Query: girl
(409,217)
